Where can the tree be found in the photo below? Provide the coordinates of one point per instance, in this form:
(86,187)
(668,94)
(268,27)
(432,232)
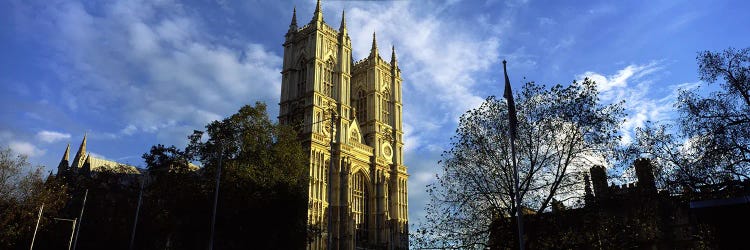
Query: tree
(176,202)
(718,125)
(263,195)
(111,194)
(655,142)
(22,192)
(712,147)
(561,130)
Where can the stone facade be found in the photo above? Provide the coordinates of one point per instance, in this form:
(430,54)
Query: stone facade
(349,117)
(84,163)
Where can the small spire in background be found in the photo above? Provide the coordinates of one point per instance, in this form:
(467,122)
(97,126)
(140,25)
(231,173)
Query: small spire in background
(394,62)
(374,50)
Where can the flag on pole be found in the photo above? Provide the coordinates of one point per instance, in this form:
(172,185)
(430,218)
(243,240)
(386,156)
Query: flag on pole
(512,120)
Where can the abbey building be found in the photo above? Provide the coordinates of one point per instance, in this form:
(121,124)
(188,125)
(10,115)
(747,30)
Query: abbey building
(349,115)
(85,164)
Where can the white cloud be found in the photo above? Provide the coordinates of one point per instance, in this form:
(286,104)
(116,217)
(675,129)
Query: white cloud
(620,80)
(26,148)
(156,66)
(439,76)
(129,130)
(642,102)
(51,136)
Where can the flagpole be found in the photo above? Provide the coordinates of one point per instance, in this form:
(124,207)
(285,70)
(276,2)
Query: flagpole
(80,219)
(512,123)
(216,197)
(39,218)
(519,211)
(137,211)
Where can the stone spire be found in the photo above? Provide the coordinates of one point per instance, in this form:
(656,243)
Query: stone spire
(64,162)
(374,49)
(342,27)
(81,154)
(394,62)
(293,25)
(318,15)
(66,155)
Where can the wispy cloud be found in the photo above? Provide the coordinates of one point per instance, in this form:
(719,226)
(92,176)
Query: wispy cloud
(26,148)
(156,66)
(613,85)
(635,85)
(51,136)
(20,145)
(439,77)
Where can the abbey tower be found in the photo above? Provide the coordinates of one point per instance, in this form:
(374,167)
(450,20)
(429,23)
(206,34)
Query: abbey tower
(349,116)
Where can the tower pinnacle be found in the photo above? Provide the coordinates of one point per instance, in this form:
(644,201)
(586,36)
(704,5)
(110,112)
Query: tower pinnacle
(62,168)
(293,25)
(394,62)
(374,49)
(66,155)
(318,15)
(81,154)
(342,27)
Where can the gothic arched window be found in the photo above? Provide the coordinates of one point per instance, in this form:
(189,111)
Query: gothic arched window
(360,206)
(384,106)
(301,78)
(361,106)
(328,78)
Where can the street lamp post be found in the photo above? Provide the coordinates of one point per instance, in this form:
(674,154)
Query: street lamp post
(216,198)
(39,218)
(137,211)
(80,219)
(70,242)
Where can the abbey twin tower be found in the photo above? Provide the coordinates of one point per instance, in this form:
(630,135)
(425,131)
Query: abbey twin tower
(349,116)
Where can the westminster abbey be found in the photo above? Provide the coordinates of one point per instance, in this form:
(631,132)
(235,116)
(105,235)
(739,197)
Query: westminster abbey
(349,116)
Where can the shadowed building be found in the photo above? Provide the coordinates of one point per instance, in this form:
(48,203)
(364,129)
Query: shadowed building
(85,163)
(636,216)
(354,107)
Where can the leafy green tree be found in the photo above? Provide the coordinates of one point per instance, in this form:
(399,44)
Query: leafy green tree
(262,196)
(263,192)
(23,190)
(176,204)
(562,130)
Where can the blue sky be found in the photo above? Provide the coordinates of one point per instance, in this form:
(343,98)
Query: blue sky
(137,73)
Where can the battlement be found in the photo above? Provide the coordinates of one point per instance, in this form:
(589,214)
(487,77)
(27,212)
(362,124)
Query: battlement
(362,63)
(645,183)
(623,188)
(306,29)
